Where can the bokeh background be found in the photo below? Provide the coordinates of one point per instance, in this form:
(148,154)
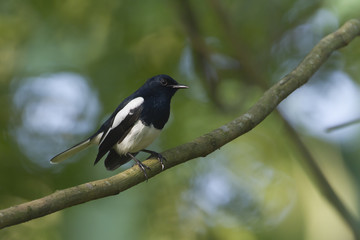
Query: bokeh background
(66,65)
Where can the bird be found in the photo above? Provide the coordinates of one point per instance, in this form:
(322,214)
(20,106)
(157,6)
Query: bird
(132,127)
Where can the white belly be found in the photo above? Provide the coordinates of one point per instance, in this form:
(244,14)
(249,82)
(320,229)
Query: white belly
(139,137)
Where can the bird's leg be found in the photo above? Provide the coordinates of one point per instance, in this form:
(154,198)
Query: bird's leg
(142,166)
(156,155)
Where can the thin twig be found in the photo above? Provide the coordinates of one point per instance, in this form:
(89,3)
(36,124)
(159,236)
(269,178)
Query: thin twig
(342,125)
(323,184)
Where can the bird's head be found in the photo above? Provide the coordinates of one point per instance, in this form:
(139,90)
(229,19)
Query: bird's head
(164,84)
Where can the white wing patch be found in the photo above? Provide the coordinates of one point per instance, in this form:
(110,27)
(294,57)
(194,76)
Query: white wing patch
(121,115)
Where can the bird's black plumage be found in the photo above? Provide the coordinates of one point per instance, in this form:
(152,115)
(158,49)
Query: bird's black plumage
(118,133)
(134,124)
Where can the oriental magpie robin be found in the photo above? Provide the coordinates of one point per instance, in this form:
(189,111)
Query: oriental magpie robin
(133,126)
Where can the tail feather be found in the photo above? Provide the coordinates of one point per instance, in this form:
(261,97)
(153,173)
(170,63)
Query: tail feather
(71,151)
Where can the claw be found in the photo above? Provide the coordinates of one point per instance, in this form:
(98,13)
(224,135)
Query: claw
(156,155)
(142,166)
(161,160)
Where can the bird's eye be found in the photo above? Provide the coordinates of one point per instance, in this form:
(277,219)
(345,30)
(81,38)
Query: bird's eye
(163,82)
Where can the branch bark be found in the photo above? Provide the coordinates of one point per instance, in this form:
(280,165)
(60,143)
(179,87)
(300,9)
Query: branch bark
(200,147)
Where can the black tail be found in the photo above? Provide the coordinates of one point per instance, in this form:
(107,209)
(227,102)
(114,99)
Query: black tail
(114,160)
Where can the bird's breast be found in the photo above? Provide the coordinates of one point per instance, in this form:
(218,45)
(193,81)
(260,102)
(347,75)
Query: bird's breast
(139,137)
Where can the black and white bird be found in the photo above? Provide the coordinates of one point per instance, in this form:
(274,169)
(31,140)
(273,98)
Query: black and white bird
(133,126)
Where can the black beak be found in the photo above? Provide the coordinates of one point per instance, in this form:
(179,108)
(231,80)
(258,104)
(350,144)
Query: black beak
(179,86)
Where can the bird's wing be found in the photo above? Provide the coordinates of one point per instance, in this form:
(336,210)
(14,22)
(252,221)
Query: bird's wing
(121,124)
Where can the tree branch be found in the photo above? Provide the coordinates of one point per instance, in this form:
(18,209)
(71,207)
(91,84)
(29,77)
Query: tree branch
(199,147)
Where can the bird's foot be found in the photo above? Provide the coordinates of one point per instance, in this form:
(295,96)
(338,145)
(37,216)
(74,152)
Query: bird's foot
(156,155)
(142,166)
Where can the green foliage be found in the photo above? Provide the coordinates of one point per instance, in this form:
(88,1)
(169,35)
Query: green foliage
(253,188)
